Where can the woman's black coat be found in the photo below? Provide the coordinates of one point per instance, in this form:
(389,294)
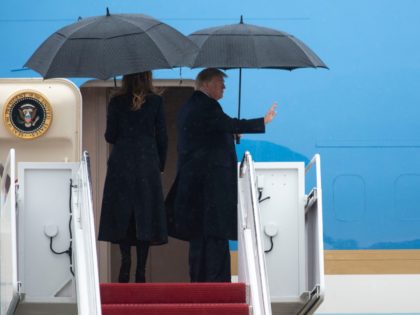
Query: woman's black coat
(133,198)
(203,199)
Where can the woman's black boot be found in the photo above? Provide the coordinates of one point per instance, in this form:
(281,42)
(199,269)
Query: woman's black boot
(124,275)
(142,253)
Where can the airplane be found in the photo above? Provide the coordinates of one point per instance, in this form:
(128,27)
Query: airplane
(359,116)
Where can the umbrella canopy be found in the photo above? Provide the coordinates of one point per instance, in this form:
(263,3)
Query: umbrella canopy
(106,46)
(249,46)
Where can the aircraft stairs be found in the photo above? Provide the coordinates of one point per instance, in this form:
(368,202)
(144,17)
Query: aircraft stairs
(174,298)
(48,247)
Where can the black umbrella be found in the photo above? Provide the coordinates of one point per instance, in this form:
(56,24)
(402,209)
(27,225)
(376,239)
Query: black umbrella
(249,46)
(106,46)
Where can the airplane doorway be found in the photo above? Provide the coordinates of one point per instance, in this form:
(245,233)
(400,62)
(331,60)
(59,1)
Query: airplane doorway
(166,263)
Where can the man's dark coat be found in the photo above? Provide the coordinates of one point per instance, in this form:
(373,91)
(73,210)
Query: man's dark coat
(203,199)
(133,198)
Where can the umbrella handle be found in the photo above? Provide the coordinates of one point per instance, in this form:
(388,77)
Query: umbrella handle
(237,137)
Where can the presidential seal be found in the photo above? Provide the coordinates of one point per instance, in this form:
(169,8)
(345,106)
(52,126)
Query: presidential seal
(27,114)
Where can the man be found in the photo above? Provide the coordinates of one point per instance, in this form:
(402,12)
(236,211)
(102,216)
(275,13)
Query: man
(202,203)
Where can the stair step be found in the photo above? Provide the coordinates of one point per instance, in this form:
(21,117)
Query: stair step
(176,309)
(166,293)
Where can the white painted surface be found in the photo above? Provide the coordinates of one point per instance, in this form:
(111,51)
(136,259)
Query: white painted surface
(44,194)
(8,266)
(251,259)
(85,259)
(62,141)
(286,262)
(371,294)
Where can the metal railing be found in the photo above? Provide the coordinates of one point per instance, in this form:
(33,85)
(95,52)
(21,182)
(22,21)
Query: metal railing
(251,260)
(85,258)
(314,240)
(9,290)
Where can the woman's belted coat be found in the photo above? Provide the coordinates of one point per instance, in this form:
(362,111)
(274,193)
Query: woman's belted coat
(132,205)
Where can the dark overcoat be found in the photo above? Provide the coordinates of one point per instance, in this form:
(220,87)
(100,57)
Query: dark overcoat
(133,200)
(203,198)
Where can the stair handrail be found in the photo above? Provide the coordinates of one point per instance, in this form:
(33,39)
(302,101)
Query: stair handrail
(86,261)
(314,222)
(9,286)
(251,256)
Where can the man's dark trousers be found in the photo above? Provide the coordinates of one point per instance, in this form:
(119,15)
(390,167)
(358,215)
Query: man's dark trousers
(209,260)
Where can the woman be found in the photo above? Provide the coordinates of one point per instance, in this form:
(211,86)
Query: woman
(132,206)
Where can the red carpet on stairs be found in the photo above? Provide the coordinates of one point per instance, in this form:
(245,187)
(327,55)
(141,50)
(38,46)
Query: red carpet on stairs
(174,299)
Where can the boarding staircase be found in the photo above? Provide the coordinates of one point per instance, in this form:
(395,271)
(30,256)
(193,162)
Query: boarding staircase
(174,298)
(279,253)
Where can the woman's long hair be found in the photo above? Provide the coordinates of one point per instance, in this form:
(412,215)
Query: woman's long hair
(139,85)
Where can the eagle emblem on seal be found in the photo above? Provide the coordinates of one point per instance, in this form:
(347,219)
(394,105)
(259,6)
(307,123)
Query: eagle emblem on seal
(28,115)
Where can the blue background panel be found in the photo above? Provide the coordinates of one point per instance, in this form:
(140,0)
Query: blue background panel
(362,115)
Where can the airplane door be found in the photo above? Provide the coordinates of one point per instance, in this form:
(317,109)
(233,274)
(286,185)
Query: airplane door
(166,263)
